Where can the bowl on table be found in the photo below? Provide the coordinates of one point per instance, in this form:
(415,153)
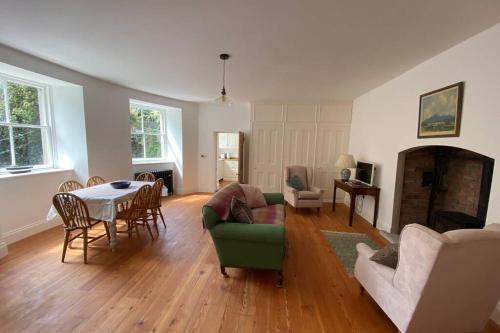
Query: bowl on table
(19,169)
(120,184)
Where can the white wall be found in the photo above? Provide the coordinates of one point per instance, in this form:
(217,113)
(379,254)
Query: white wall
(107,129)
(385,119)
(69,129)
(216,118)
(25,201)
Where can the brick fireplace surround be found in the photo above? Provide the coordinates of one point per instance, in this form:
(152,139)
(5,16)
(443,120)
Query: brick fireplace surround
(441,178)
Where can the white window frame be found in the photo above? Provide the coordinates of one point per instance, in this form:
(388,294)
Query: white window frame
(163,131)
(45,120)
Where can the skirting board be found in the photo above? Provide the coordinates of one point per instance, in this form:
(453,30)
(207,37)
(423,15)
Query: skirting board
(28,230)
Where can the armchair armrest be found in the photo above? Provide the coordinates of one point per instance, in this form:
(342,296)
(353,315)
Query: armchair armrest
(257,233)
(274,198)
(364,250)
(317,190)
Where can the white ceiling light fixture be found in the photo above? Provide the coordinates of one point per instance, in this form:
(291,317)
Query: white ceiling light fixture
(224,99)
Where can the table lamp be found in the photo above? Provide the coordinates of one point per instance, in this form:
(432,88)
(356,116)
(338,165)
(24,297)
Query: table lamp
(345,162)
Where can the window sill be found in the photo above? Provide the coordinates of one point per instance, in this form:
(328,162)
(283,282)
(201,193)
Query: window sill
(151,162)
(32,173)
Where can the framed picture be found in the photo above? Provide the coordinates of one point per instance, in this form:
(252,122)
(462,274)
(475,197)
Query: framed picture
(441,112)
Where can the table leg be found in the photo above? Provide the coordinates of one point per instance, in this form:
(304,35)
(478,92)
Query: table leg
(334,197)
(112,234)
(375,213)
(351,207)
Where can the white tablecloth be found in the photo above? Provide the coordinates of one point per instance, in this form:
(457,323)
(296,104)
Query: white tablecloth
(102,199)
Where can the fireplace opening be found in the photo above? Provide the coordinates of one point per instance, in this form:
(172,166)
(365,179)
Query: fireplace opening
(442,187)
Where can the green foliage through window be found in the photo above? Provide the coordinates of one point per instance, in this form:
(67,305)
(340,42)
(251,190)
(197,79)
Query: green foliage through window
(146,132)
(23,130)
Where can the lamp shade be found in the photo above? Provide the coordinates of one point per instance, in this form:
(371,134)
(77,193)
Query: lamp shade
(345,161)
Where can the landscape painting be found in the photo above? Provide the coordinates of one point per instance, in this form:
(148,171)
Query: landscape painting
(440,112)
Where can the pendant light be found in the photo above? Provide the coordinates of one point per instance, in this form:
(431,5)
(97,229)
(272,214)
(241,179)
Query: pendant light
(224,99)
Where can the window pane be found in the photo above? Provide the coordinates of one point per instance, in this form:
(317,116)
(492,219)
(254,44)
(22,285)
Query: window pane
(135,120)
(28,146)
(153,146)
(23,104)
(137,147)
(4,147)
(151,121)
(2,103)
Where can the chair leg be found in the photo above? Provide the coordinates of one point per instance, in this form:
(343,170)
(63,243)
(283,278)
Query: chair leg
(136,228)
(66,238)
(279,279)
(129,229)
(85,245)
(155,218)
(107,230)
(223,271)
(162,219)
(145,221)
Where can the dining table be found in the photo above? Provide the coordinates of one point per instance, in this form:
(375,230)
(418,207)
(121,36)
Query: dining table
(102,202)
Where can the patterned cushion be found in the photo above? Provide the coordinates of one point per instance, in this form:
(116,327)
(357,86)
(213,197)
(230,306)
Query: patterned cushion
(273,214)
(221,201)
(240,211)
(308,195)
(254,196)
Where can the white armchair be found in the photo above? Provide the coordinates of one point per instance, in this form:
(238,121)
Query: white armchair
(443,282)
(310,197)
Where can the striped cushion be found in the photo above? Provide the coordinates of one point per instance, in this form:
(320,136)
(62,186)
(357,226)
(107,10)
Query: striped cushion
(274,214)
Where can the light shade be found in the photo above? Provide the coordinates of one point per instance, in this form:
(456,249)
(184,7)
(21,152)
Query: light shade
(345,161)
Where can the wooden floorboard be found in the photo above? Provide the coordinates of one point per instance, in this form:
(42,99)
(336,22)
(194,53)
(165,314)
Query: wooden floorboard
(173,284)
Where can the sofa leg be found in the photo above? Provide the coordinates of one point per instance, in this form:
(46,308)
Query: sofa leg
(317,210)
(279,279)
(362,290)
(223,271)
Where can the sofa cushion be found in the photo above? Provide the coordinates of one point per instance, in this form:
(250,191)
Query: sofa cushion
(308,195)
(296,183)
(240,211)
(254,196)
(274,214)
(387,256)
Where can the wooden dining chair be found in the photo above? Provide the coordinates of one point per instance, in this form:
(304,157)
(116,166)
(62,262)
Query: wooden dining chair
(146,177)
(95,180)
(70,185)
(75,215)
(137,213)
(155,204)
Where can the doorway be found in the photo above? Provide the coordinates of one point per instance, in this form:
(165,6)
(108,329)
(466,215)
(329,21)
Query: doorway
(229,153)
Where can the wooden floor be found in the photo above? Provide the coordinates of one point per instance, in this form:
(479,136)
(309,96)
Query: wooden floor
(173,284)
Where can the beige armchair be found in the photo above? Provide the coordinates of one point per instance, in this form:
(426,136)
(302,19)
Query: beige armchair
(446,282)
(310,197)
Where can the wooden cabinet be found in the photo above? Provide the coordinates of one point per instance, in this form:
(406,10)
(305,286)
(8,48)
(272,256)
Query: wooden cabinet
(230,170)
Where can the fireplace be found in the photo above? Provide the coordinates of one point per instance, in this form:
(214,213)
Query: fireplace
(442,187)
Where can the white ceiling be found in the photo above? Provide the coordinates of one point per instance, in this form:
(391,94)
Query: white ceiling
(294,50)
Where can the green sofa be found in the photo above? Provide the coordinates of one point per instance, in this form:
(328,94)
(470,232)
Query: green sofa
(258,246)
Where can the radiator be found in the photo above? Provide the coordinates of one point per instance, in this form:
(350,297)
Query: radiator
(166,175)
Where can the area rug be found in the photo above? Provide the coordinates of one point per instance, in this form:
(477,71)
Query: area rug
(344,246)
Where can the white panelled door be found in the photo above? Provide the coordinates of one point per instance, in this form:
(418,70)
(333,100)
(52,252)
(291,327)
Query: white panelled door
(298,147)
(266,152)
(332,140)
